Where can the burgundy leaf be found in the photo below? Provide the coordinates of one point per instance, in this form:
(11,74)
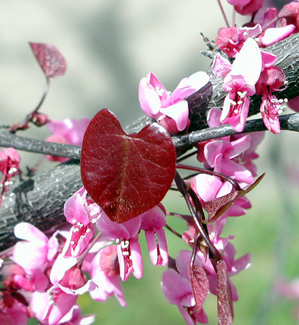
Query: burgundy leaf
(126,174)
(199,283)
(225,303)
(50,59)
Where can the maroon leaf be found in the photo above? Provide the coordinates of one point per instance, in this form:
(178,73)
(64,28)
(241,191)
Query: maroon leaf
(199,283)
(225,303)
(126,174)
(50,59)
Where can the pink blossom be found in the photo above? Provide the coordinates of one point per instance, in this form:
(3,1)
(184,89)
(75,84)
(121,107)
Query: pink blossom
(82,214)
(223,156)
(177,289)
(271,79)
(288,289)
(170,110)
(230,40)
(246,7)
(274,35)
(66,273)
(128,248)
(52,306)
(74,317)
(105,274)
(240,84)
(152,223)
(70,131)
(11,310)
(15,278)
(289,14)
(36,251)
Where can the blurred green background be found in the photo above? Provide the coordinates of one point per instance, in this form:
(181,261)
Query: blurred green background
(109,46)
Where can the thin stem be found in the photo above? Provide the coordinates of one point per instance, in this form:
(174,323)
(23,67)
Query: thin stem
(223,13)
(173,231)
(29,117)
(44,96)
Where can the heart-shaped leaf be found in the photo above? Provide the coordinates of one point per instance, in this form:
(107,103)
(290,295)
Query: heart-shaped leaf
(126,174)
(50,59)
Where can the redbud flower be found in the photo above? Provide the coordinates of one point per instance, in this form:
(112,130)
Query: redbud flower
(246,7)
(52,306)
(271,79)
(239,82)
(36,251)
(290,15)
(70,131)
(82,215)
(128,248)
(177,289)
(170,110)
(152,222)
(105,274)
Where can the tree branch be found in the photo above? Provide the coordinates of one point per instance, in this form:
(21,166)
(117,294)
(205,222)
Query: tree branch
(40,199)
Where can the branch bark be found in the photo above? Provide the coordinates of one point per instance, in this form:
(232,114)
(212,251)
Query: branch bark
(40,199)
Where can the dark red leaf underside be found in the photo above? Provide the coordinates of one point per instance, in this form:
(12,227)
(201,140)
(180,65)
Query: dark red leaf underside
(199,283)
(50,59)
(225,303)
(126,174)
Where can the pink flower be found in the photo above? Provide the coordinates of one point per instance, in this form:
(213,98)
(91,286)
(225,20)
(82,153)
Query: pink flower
(67,275)
(82,215)
(289,14)
(271,79)
(36,252)
(239,82)
(52,306)
(128,248)
(11,310)
(177,289)
(230,40)
(170,110)
(15,278)
(152,222)
(74,317)
(224,155)
(105,274)
(70,131)
(246,7)
(288,289)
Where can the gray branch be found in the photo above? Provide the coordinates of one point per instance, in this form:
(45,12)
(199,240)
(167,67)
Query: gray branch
(40,199)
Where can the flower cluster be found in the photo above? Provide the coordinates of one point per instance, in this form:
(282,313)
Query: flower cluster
(93,254)
(253,71)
